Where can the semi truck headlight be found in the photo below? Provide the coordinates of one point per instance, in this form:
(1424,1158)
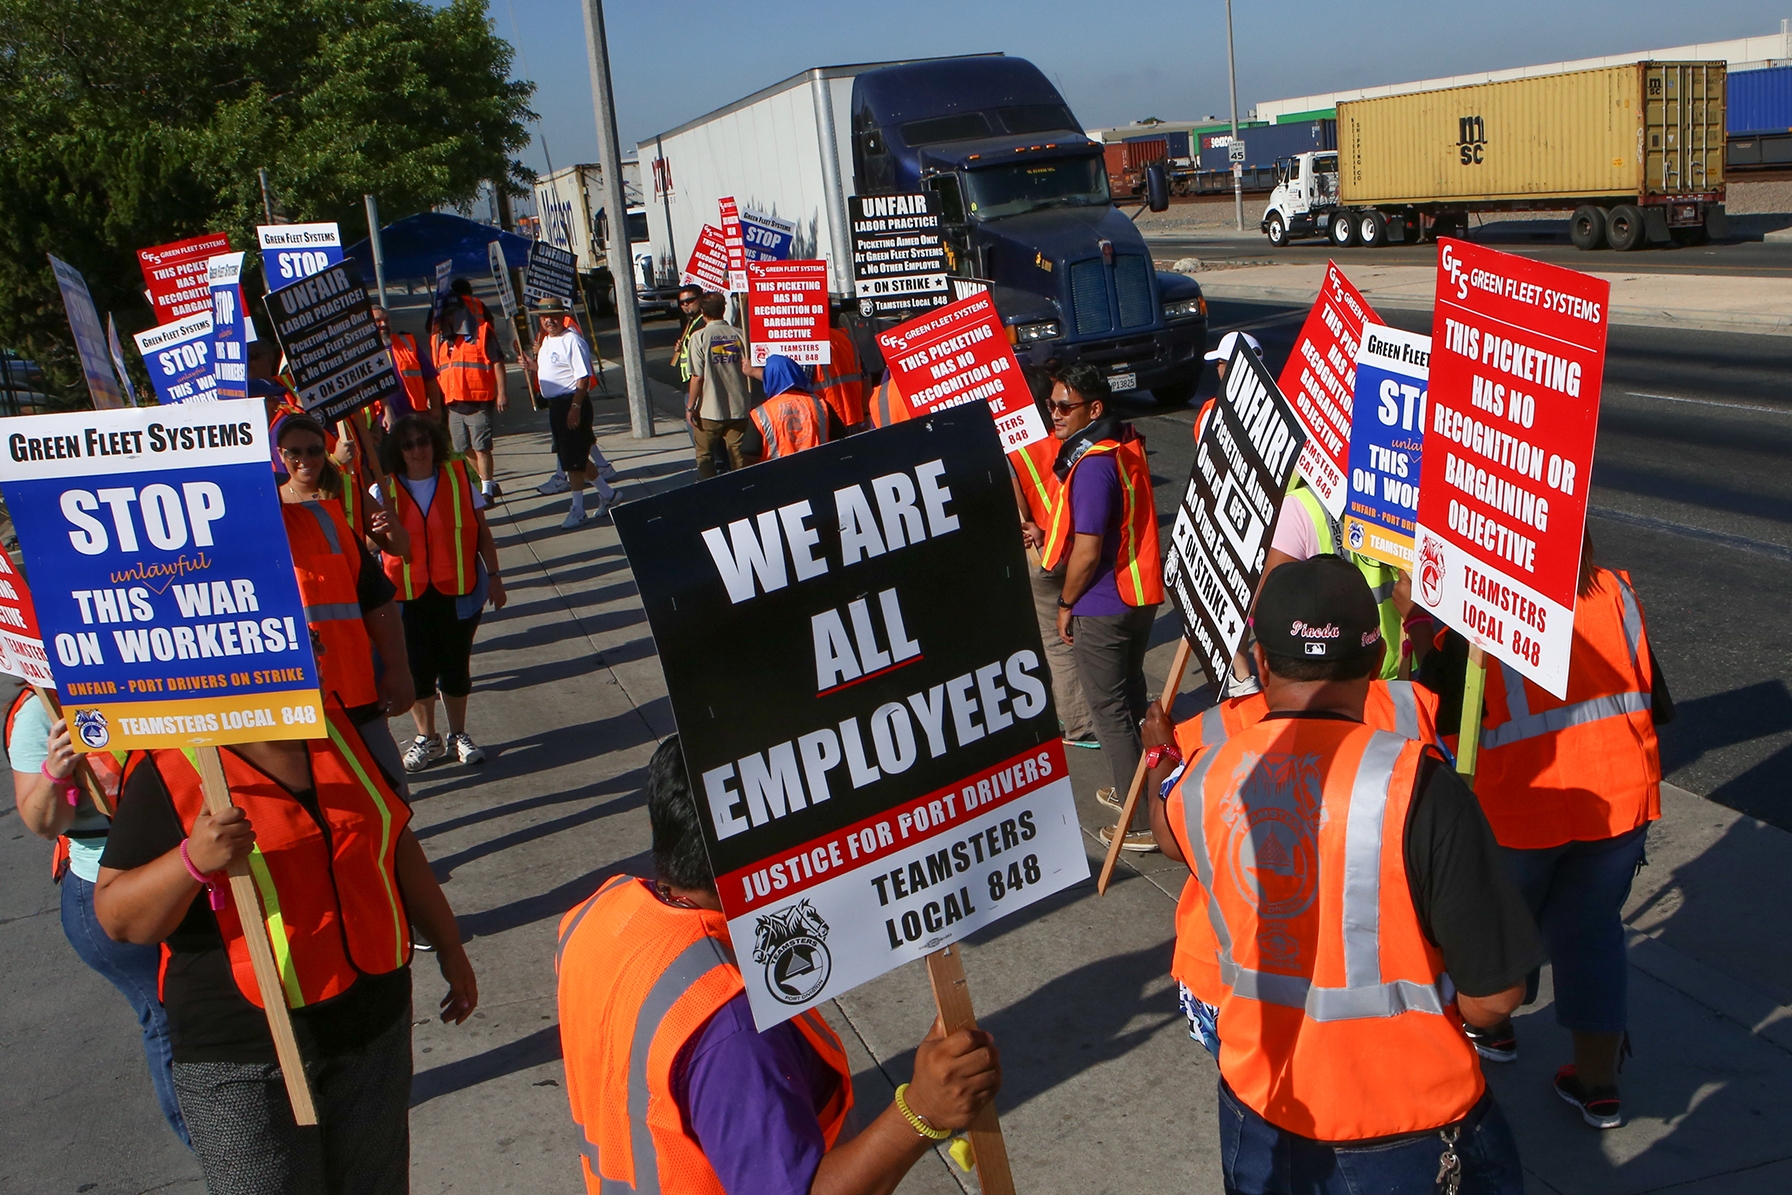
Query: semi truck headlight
(1028,333)
(1195,308)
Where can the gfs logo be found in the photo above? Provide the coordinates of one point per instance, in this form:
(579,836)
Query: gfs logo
(1431,572)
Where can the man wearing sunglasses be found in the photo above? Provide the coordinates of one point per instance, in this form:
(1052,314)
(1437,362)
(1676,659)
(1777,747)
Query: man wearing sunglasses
(688,294)
(1104,523)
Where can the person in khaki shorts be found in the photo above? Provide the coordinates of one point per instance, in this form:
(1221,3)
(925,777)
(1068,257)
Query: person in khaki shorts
(717,405)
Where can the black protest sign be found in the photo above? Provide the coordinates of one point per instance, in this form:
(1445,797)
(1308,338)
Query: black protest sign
(325,326)
(898,252)
(854,664)
(1243,459)
(552,273)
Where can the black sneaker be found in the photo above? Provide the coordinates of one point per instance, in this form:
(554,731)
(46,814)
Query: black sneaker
(1496,1044)
(1598,1105)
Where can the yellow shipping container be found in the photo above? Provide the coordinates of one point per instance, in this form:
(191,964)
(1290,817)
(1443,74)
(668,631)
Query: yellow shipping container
(1622,133)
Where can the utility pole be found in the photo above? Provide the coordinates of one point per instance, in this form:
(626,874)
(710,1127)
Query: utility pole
(267,196)
(378,247)
(616,247)
(1232,78)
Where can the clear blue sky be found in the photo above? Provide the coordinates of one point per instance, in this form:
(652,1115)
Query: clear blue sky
(1114,60)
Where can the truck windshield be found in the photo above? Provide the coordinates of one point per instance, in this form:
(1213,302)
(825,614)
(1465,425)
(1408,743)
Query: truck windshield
(1012,190)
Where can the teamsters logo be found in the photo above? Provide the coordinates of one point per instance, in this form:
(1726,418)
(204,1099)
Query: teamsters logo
(791,943)
(1431,571)
(91,726)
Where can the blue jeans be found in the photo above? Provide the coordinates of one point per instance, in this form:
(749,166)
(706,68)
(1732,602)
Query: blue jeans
(1577,892)
(132,970)
(1257,1158)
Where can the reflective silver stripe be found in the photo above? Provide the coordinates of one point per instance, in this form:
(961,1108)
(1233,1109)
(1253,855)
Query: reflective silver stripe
(1406,709)
(1633,622)
(1213,727)
(692,964)
(325,523)
(333,612)
(1382,592)
(1366,996)
(573,925)
(606,1186)
(1562,717)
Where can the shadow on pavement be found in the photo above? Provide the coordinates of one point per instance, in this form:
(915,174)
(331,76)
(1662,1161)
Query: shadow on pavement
(552,903)
(541,1046)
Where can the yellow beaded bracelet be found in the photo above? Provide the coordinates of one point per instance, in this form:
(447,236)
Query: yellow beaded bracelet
(918,1123)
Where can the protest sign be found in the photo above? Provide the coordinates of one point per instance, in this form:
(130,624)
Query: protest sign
(899,782)
(1227,512)
(898,252)
(161,575)
(90,336)
(552,272)
(788,312)
(117,352)
(290,252)
(501,278)
(230,326)
(325,326)
(1318,382)
(22,651)
(1518,353)
(1387,439)
(765,238)
(960,354)
(708,266)
(735,243)
(175,275)
(964,288)
(179,357)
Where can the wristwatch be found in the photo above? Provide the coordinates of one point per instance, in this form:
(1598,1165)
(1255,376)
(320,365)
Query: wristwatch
(1064,605)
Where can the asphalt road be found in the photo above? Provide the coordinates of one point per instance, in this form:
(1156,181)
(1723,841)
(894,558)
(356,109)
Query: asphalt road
(1692,493)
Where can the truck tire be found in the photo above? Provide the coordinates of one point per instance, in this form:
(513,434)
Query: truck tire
(1173,394)
(1624,227)
(1586,227)
(1371,229)
(1343,229)
(1278,231)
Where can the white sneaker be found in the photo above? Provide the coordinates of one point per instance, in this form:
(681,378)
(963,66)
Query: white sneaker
(466,749)
(575,519)
(423,751)
(557,484)
(605,469)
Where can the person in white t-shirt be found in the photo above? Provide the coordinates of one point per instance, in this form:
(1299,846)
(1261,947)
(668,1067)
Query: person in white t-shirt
(562,368)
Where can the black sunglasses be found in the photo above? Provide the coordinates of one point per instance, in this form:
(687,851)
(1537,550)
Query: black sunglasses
(310,452)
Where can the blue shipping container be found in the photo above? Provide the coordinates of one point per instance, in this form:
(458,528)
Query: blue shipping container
(1265,143)
(1178,143)
(1759,101)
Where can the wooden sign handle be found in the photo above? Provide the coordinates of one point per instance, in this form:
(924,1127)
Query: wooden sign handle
(952,996)
(261,955)
(362,451)
(1172,685)
(1468,740)
(91,784)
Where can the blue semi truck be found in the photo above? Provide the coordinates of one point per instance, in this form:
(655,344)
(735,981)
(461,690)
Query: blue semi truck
(1022,192)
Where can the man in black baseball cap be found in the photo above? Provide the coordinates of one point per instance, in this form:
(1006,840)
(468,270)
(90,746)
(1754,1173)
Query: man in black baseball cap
(1341,871)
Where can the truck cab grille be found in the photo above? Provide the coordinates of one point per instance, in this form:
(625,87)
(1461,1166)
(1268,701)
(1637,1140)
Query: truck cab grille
(1094,298)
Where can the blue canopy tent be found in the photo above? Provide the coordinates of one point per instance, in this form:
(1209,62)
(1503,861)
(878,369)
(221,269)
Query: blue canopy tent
(415,245)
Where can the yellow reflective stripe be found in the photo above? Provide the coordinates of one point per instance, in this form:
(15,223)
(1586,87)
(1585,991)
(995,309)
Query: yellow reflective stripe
(270,904)
(400,940)
(1128,533)
(1045,498)
(460,559)
(410,591)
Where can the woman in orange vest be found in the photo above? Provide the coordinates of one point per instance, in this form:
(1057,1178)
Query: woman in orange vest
(1342,871)
(51,804)
(416,372)
(840,382)
(1570,786)
(791,418)
(672,1087)
(886,405)
(450,574)
(341,879)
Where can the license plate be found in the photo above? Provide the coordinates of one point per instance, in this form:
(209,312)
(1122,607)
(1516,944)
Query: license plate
(1123,381)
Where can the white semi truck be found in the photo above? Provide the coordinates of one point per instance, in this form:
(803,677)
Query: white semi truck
(569,205)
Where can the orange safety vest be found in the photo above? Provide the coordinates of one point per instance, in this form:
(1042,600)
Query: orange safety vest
(464,367)
(887,404)
(1138,564)
(329,893)
(1033,464)
(638,981)
(103,764)
(841,382)
(1587,767)
(790,422)
(1334,1020)
(326,559)
(444,544)
(408,360)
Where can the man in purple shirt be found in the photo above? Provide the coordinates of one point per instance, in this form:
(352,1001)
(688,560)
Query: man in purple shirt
(1109,636)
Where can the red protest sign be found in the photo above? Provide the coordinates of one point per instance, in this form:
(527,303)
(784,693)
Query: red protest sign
(1517,355)
(708,266)
(737,245)
(959,354)
(1320,378)
(175,275)
(21,643)
(788,311)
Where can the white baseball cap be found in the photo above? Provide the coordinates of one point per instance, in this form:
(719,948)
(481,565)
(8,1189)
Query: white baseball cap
(1228,342)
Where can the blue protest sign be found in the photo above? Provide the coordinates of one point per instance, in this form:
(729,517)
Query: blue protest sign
(1387,436)
(164,586)
(290,252)
(229,325)
(179,356)
(766,238)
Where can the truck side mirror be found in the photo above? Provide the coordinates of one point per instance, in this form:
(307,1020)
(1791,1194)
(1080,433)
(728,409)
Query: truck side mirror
(1157,187)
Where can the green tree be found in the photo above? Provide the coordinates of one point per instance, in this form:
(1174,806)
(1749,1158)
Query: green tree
(130,123)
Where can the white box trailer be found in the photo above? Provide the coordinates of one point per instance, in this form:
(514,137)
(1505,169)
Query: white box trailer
(568,204)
